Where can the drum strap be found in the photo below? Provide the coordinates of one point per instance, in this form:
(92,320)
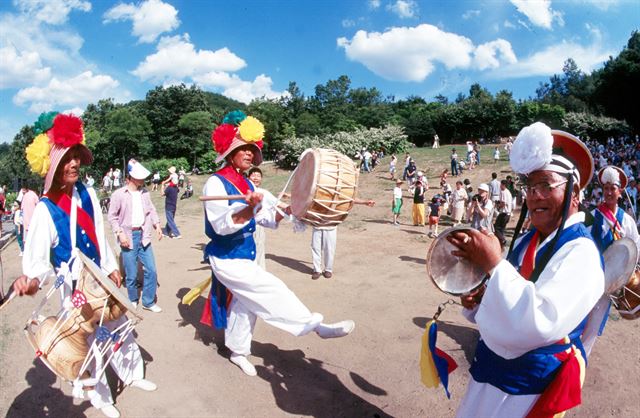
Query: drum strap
(602,215)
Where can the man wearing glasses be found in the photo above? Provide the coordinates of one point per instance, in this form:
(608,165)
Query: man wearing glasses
(535,305)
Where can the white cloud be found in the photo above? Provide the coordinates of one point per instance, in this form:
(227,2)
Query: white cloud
(508,24)
(348,23)
(599,4)
(539,12)
(469,14)
(488,55)
(210,69)
(150,18)
(53,12)
(21,68)
(77,91)
(57,48)
(405,9)
(551,60)
(411,53)
(177,58)
(374,4)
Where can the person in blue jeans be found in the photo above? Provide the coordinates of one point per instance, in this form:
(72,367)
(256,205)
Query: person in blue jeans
(170,205)
(133,217)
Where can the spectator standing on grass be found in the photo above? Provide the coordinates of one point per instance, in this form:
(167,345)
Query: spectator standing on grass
(411,175)
(170,193)
(407,161)
(155,181)
(480,212)
(496,155)
(392,166)
(494,189)
(458,203)
(417,210)
(107,182)
(133,218)
(504,210)
(434,216)
(396,203)
(454,163)
(17,225)
(27,206)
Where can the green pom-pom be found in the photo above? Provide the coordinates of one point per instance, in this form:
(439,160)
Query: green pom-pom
(44,122)
(234,118)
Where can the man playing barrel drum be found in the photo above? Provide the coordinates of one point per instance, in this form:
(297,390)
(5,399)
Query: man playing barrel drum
(57,153)
(241,290)
(533,309)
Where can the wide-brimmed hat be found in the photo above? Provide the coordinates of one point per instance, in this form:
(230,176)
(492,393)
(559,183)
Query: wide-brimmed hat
(57,134)
(172,170)
(237,130)
(483,187)
(538,147)
(614,175)
(137,170)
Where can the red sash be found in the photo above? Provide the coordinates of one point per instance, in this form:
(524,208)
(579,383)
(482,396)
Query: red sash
(63,201)
(609,216)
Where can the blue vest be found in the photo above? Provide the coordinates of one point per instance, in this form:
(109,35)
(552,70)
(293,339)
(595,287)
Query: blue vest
(240,244)
(532,372)
(62,252)
(603,242)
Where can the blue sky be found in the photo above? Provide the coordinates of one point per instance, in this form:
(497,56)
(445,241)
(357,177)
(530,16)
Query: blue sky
(63,54)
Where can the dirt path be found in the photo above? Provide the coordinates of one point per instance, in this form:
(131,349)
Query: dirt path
(379,281)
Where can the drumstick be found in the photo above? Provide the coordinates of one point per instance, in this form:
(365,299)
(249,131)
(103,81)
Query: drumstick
(4,301)
(226,197)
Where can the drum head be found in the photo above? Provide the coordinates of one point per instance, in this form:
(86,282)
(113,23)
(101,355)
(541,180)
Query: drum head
(452,275)
(109,285)
(619,263)
(303,183)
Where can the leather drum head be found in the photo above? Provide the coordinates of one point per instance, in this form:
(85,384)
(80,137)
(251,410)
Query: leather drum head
(108,285)
(619,263)
(303,183)
(452,275)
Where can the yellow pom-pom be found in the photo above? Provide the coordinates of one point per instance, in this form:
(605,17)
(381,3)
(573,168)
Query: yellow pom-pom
(251,129)
(37,154)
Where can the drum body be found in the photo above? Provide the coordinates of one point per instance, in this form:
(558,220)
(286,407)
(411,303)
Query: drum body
(627,302)
(61,341)
(323,187)
(452,275)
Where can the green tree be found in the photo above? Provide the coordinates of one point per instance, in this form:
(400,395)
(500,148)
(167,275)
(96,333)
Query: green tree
(126,134)
(195,138)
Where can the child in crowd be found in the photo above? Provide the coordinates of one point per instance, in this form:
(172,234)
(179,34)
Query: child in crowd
(392,166)
(496,155)
(396,204)
(434,216)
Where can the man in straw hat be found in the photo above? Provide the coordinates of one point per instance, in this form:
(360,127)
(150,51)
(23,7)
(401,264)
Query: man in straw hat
(133,217)
(57,154)
(241,290)
(529,360)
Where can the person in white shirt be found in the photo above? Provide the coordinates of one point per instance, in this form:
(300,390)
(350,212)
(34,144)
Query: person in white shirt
(504,210)
(396,203)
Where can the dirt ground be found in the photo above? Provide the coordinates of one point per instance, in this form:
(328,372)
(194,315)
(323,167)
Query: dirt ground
(379,281)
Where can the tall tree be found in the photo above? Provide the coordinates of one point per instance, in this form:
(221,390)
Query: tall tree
(195,130)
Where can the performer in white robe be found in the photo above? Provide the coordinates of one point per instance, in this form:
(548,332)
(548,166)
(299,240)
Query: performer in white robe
(610,223)
(51,243)
(253,292)
(534,307)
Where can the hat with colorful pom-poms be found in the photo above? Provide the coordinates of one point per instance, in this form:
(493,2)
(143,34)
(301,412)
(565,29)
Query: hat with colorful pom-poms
(237,130)
(57,133)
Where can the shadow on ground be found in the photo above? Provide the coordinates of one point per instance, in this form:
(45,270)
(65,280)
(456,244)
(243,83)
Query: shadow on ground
(302,386)
(41,399)
(292,263)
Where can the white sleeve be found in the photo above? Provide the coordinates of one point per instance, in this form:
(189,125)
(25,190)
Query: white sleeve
(108,262)
(267,215)
(631,230)
(219,212)
(41,237)
(516,315)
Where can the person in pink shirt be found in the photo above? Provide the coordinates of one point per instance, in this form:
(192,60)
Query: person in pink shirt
(133,217)
(27,206)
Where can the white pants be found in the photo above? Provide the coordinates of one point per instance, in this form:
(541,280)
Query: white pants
(258,293)
(323,248)
(126,362)
(484,400)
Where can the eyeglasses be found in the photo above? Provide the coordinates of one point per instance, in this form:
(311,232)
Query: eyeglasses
(544,189)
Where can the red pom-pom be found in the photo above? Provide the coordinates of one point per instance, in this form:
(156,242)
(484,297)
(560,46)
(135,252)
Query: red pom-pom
(222,137)
(260,144)
(38,353)
(66,131)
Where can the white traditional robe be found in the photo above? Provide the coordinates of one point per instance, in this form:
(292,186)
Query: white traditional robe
(256,292)
(42,236)
(517,316)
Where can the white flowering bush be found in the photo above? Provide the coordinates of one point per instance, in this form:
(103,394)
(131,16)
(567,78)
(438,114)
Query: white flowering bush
(391,139)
